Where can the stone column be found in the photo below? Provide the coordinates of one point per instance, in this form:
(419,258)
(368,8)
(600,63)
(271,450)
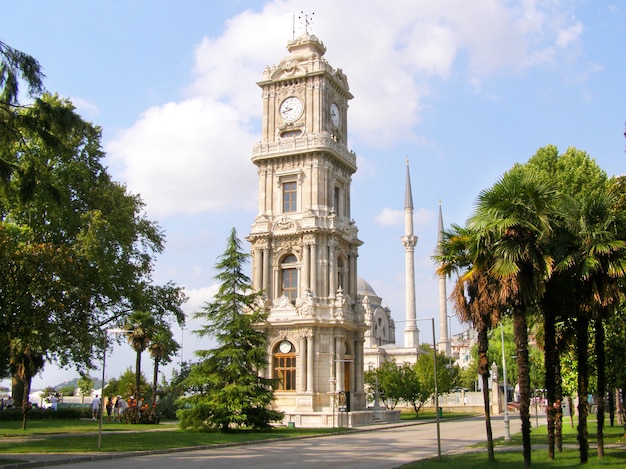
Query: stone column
(353,276)
(314,264)
(306,268)
(267,271)
(302,365)
(358,363)
(339,363)
(332,269)
(310,346)
(258,269)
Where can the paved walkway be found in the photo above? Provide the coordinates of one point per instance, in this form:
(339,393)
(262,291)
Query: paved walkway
(392,445)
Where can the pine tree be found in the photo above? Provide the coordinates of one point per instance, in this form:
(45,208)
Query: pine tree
(228,388)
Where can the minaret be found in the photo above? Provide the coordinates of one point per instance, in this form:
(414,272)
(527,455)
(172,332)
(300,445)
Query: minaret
(409,240)
(444,339)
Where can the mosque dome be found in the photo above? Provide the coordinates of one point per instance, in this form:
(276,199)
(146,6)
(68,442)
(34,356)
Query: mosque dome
(365,289)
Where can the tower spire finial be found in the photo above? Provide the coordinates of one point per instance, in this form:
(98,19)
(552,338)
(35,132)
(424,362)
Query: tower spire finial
(306,21)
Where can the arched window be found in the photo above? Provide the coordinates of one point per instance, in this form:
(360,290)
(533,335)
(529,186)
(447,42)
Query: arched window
(289,278)
(284,358)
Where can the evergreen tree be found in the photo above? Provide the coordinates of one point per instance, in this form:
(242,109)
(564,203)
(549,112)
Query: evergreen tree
(230,391)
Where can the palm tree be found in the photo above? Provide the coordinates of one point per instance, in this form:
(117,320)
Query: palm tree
(162,348)
(555,303)
(598,264)
(25,362)
(515,218)
(475,297)
(141,324)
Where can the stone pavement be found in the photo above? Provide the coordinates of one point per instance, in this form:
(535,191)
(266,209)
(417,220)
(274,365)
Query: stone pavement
(56,459)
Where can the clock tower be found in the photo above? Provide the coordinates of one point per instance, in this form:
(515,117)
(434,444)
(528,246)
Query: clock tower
(304,243)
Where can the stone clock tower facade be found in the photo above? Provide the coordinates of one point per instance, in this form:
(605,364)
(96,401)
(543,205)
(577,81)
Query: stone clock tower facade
(304,243)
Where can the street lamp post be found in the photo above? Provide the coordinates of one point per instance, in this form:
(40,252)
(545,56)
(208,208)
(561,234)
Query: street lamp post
(104,358)
(507,431)
(432,321)
(436,391)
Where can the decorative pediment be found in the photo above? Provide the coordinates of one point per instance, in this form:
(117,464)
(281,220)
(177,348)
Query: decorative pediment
(285,224)
(288,69)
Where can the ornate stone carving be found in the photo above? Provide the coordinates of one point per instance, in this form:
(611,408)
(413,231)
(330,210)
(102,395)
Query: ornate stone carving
(305,306)
(283,302)
(284,224)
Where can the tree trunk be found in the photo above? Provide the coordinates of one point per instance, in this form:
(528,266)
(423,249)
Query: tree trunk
(582,336)
(520,330)
(137,375)
(611,404)
(155,377)
(25,401)
(550,358)
(558,426)
(483,371)
(17,389)
(600,360)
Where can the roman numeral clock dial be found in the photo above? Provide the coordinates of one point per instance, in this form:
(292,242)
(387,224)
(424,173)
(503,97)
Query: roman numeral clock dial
(291,108)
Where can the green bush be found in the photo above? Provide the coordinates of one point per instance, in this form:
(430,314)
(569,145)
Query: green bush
(64,412)
(167,407)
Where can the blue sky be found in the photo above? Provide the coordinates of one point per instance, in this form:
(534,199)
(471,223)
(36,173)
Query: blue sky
(462,89)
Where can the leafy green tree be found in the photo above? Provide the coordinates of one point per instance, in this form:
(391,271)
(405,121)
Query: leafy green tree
(85,385)
(424,371)
(125,385)
(230,388)
(78,248)
(171,392)
(47,393)
(15,67)
(67,390)
(388,378)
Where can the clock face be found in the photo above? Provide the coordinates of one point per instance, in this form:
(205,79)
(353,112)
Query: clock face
(285,346)
(334,115)
(291,108)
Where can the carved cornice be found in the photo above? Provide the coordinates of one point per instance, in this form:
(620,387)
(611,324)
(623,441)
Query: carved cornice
(307,143)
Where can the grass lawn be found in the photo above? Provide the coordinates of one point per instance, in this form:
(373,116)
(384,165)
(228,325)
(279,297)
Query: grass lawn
(60,436)
(509,454)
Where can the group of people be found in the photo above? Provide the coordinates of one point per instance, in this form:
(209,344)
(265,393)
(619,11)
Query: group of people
(6,404)
(114,406)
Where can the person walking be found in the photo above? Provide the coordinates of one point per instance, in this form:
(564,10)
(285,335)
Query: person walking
(95,408)
(109,407)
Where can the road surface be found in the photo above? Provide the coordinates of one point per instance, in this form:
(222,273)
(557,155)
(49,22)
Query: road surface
(378,449)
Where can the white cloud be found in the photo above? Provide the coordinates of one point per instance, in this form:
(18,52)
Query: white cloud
(389,217)
(194,156)
(198,297)
(423,217)
(85,107)
(568,35)
(188,157)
